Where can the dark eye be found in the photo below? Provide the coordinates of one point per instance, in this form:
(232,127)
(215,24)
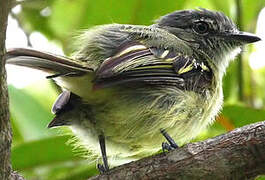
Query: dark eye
(201,27)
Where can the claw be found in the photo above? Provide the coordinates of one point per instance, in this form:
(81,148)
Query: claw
(170,144)
(166,147)
(102,169)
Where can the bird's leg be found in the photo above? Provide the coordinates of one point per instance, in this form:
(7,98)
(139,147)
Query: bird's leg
(170,144)
(105,167)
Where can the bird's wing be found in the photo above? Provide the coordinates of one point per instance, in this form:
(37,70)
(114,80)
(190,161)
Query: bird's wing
(137,64)
(54,64)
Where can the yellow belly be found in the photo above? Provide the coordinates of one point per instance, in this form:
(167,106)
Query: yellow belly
(132,125)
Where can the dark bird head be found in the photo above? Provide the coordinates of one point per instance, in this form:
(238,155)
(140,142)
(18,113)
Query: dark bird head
(209,32)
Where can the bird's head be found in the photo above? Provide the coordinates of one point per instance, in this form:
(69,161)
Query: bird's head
(208,32)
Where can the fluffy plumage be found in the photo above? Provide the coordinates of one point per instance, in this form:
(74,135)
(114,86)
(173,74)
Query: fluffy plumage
(132,81)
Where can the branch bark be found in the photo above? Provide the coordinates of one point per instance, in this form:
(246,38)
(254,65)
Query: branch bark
(5,129)
(239,154)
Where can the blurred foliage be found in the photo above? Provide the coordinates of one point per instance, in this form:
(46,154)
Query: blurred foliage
(41,153)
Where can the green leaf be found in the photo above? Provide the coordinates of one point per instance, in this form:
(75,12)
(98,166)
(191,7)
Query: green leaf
(68,17)
(73,172)
(29,116)
(32,18)
(42,152)
(213,130)
(17,134)
(262,177)
(250,11)
(242,115)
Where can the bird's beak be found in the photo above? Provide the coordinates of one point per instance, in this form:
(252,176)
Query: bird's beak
(244,37)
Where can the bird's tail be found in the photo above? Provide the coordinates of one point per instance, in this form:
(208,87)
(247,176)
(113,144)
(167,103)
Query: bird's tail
(53,64)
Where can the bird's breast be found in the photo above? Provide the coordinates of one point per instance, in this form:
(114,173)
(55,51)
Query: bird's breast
(131,118)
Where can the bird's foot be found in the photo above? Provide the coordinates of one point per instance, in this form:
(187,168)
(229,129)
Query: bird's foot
(102,169)
(170,144)
(167,147)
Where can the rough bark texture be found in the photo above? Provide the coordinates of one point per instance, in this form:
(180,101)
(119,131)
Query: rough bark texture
(5,129)
(239,154)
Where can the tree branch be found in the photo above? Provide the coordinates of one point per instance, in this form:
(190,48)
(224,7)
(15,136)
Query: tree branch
(5,129)
(238,154)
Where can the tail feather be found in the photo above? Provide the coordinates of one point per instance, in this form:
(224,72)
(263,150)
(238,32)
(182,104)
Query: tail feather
(46,62)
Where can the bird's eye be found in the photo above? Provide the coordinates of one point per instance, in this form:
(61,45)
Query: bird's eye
(201,27)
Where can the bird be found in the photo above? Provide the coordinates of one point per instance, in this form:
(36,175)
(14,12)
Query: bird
(127,89)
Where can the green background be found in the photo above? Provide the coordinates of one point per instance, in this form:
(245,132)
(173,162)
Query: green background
(43,154)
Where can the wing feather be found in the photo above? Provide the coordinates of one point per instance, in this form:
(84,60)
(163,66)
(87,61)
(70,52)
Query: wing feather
(138,64)
(47,62)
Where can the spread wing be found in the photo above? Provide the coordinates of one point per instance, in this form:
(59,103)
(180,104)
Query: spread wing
(138,64)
